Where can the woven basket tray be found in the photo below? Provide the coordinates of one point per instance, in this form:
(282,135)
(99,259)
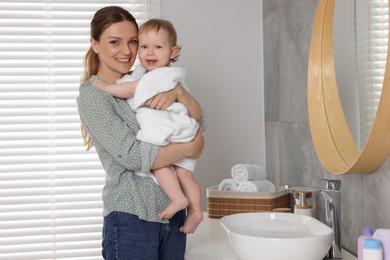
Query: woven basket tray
(222,203)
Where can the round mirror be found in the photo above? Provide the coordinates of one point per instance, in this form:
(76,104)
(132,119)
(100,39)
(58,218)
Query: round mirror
(344,48)
(335,145)
(360,32)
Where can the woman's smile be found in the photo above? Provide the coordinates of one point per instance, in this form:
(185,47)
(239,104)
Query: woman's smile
(123,59)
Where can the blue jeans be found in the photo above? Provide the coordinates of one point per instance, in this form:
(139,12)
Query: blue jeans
(126,237)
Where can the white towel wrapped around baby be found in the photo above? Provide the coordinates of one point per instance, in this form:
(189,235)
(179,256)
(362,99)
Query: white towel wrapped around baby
(248,172)
(160,127)
(256,186)
(228,185)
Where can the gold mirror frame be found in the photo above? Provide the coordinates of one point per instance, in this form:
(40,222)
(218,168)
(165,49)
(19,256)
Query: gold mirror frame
(333,141)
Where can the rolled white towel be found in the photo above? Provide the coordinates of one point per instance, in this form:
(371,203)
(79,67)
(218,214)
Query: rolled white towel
(228,185)
(256,186)
(248,172)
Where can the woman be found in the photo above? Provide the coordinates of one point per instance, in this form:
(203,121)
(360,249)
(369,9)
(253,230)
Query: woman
(132,229)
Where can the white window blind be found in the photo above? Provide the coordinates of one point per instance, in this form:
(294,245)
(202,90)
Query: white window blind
(372,22)
(50,187)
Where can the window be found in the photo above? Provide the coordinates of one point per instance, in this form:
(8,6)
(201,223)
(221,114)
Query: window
(372,23)
(50,187)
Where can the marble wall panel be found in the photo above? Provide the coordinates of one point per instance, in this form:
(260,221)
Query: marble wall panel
(290,154)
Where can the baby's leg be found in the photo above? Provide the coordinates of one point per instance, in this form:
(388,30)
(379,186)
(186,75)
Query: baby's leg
(171,186)
(192,191)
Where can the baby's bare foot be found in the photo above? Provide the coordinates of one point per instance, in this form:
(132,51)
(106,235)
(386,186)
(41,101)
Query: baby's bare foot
(173,207)
(194,217)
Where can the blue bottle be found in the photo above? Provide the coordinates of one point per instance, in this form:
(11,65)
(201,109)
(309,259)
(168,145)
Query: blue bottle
(367,233)
(372,249)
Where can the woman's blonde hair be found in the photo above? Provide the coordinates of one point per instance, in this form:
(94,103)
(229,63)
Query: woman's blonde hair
(102,19)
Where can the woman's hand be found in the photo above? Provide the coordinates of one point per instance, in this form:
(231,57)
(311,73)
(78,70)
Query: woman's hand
(197,145)
(171,153)
(163,100)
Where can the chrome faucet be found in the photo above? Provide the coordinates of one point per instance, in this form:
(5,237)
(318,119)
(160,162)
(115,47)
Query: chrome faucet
(332,212)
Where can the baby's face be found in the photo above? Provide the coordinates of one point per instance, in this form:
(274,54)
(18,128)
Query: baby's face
(155,50)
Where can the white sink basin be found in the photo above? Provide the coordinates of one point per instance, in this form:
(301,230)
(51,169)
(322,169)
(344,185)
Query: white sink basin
(277,236)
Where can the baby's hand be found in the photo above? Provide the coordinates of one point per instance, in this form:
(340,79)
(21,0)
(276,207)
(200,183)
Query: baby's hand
(100,84)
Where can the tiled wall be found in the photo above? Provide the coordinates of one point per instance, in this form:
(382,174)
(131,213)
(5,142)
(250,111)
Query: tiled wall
(290,155)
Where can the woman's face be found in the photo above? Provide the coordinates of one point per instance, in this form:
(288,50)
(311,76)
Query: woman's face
(117,50)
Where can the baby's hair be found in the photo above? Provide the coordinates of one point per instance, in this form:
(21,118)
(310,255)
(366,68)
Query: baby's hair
(157,25)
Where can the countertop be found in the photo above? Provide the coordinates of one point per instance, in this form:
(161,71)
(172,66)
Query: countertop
(210,242)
